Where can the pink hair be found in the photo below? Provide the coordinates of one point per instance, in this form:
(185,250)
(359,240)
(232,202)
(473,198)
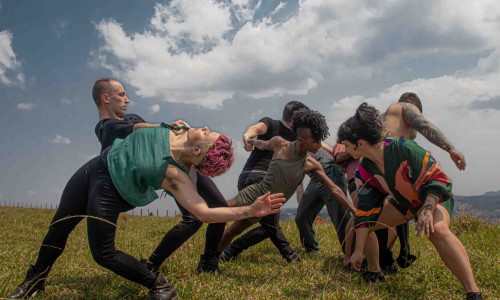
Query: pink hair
(218,159)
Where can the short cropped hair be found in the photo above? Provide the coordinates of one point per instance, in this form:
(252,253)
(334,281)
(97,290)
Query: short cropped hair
(411,98)
(101,86)
(218,159)
(365,124)
(306,118)
(290,108)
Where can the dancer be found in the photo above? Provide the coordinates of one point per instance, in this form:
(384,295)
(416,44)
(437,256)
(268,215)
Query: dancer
(404,119)
(126,175)
(288,167)
(255,170)
(417,188)
(315,197)
(112,101)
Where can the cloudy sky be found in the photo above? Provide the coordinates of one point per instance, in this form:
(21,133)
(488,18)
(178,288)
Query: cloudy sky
(226,64)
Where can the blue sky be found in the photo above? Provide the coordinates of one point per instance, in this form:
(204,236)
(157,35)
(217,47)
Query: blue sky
(226,64)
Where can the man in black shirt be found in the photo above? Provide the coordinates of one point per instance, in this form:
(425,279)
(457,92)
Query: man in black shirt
(253,172)
(111,100)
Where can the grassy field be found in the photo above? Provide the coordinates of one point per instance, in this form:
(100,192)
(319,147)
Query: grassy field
(259,273)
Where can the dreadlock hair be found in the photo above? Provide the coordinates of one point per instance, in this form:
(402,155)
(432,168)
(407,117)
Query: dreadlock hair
(306,118)
(411,98)
(365,124)
(290,108)
(218,158)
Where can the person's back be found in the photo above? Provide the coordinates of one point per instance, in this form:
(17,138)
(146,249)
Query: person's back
(395,125)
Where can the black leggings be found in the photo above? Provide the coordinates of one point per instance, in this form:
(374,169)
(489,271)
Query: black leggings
(189,225)
(91,192)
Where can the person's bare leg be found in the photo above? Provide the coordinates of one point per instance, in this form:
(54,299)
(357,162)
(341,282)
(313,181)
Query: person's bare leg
(451,250)
(388,218)
(350,235)
(236,228)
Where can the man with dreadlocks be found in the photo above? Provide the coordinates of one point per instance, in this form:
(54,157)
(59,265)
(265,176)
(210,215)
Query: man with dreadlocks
(289,164)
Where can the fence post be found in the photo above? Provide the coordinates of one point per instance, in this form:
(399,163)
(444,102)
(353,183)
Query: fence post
(141,212)
(157,213)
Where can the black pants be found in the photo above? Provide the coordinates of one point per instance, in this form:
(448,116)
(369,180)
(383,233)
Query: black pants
(189,225)
(315,197)
(269,225)
(91,192)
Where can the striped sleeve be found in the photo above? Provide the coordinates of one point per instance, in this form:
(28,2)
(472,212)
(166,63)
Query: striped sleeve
(370,199)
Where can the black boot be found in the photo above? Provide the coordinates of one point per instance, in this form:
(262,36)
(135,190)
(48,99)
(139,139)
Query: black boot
(162,290)
(34,283)
(150,265)
(292,257)
(229,254)
(474,296)
(208,264)
(373,276)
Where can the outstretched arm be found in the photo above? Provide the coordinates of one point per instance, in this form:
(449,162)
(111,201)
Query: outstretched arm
(314,166)
(414,118)
(179,184)
(251,133)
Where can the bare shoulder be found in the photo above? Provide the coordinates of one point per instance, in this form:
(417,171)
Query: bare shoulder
(394,108)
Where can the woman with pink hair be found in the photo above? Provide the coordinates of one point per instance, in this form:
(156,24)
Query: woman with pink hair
(125,176)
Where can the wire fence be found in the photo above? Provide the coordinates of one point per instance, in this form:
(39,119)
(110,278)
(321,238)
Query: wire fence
(134,212)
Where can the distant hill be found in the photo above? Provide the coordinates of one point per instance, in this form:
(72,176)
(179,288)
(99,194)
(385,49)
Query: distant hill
(487,206)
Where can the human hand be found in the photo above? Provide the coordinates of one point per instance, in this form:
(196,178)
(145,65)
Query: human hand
(356,260)
(248,143)
(267,204)
(179,123)
(425,223)
(458,158)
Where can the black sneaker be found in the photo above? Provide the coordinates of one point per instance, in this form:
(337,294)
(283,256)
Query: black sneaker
(373,276)
(32,284)
(162,290)
(208,264)
(474,296)
(292,257)
(229,254)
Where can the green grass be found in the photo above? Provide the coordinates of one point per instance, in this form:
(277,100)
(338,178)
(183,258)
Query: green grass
(259,273)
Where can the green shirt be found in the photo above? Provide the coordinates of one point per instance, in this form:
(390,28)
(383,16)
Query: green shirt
(137,164)
(283,176)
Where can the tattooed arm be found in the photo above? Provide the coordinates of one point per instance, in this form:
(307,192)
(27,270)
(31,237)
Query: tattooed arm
(414,118)
(425,222)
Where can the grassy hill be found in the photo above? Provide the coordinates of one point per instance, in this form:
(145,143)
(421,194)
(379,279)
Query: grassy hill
(259,273)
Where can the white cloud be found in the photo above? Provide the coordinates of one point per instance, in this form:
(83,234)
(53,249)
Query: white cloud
(66,101)
(59,139)
(194,53)
(26,105)
(59,27)
(465,108)
(153,109)
(10,69)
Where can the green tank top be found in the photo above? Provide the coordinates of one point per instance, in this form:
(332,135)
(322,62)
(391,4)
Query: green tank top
(137,164)
(283,176)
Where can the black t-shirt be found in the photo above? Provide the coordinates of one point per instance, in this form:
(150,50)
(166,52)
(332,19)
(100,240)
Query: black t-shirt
(259,160)
(107,130)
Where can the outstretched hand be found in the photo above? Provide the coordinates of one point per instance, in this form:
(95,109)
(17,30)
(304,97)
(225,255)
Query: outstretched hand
(458,158)
(356,260)
(267,204)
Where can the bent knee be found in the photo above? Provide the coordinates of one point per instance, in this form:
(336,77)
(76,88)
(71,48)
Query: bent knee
(441,231)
